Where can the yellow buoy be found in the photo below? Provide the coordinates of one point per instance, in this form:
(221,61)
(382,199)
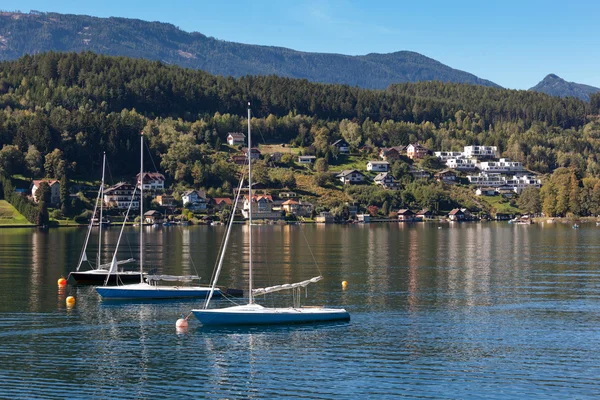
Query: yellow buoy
(344,284)
(70,301)
(62,281)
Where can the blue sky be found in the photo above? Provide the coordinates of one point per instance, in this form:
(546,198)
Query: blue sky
(512,43)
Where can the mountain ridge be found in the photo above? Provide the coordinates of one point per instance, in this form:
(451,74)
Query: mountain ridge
(37,32)
(554,85)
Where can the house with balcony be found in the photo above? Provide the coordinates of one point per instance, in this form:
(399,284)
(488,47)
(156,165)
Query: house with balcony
(461,164)
(119,196)
(448,155)
(192,196)
(386,180)
(391,153)
(153,181)
(262,207)
(351,176)
(416,151)
(54,186)
(504,165)
(236,139)
(165,200)
(298,208)
(446,176)
(378,166)
(480,151)
(342,146)
(194,200)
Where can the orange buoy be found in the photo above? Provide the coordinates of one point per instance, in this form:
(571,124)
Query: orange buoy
(70,301)
(62,281)
(344,284)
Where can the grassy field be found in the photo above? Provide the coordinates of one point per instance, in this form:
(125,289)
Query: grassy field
(274,148)
(10,216)
(500,204)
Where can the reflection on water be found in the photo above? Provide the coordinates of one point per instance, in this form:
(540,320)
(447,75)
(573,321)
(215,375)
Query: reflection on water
(469,310)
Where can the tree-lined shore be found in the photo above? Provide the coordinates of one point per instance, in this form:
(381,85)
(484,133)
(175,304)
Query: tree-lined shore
(59,112)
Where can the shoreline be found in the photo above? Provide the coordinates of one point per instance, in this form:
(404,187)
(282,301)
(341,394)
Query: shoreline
(537,220)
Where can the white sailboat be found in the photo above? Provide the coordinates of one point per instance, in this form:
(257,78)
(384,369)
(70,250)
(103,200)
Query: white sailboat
(149,288)
(256,314)
(100,273)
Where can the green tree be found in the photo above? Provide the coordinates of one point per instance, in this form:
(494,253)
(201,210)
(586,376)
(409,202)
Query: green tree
(548,195)
(529,200)
(11,160)
(321,165)
(34,161)
(54,164)
(385,208)
(351,132)
(65,199)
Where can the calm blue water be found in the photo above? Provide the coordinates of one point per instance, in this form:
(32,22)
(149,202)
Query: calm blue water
(484,310)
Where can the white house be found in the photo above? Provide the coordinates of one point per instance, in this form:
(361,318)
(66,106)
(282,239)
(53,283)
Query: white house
(236,138)
(54,190)
(447,155)
(152,181)
(502,165)
(480,151)
(487,179)
(378,166)
(194,200)
(192,196)
(461,163)
(306,159)
(119,196)
(351,176)
(495,180)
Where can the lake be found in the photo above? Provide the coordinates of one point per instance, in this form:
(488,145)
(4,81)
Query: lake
(470,310)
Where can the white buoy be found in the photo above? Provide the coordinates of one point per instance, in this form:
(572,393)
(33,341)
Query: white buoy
(181,323)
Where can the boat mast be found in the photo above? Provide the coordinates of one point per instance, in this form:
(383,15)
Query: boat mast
(141,208)
(250,299)
(100,220)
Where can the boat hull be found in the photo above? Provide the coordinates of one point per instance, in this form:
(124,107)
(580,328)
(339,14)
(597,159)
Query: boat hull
(258,315)
(99,277)
(145,291)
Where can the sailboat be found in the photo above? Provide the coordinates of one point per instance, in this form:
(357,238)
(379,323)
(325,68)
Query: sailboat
(149,288)
(100,273)
(256,314)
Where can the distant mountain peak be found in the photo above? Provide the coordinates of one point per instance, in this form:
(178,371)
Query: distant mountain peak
(554,85)
(36,32)
(552,76)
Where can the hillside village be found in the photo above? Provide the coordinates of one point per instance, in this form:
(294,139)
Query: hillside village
(477,168)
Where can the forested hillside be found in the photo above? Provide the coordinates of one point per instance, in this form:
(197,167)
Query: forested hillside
(60,111)
(35,33)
